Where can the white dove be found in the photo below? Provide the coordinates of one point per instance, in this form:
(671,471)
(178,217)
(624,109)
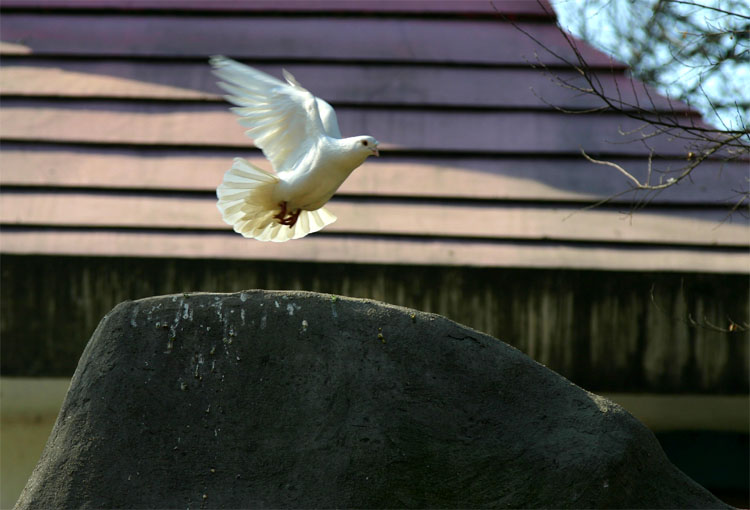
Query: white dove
(300,136)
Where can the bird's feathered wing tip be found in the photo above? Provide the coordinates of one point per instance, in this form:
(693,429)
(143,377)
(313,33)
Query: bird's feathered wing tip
(246,203)
(291,80)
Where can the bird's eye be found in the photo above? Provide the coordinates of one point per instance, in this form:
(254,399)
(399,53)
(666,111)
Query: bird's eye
(364,142)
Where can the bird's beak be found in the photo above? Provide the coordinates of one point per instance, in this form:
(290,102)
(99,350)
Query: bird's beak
(375,151)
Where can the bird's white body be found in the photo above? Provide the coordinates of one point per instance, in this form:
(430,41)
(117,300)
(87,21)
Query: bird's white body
(319,175)
(300,136)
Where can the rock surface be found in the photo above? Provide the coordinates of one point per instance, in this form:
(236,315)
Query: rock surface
(289,399)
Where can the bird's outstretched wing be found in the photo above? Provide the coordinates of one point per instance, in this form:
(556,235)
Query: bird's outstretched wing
(285,119)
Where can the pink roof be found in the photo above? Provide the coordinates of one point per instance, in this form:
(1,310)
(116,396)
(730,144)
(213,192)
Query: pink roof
(115,136)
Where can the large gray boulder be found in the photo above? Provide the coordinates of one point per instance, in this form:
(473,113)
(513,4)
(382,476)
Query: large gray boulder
(291,399)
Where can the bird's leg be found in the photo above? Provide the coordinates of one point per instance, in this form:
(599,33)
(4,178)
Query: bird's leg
(282,213)
(286,218)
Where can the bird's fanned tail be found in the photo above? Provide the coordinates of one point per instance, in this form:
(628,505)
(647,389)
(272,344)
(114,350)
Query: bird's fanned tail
(246,202)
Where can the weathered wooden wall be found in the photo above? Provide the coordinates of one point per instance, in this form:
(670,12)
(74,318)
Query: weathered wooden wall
(608,332)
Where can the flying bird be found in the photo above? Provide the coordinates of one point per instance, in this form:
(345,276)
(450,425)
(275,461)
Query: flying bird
(300,136)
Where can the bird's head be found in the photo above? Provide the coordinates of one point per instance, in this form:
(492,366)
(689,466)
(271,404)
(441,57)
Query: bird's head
(367,145)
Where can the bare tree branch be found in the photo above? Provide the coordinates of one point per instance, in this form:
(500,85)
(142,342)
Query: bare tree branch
(646,185)
(703,6)
(706,48)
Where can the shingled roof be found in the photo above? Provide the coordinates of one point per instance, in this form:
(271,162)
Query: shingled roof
(114,137)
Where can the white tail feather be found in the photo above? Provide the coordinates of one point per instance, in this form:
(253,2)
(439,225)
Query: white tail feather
(246,202)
